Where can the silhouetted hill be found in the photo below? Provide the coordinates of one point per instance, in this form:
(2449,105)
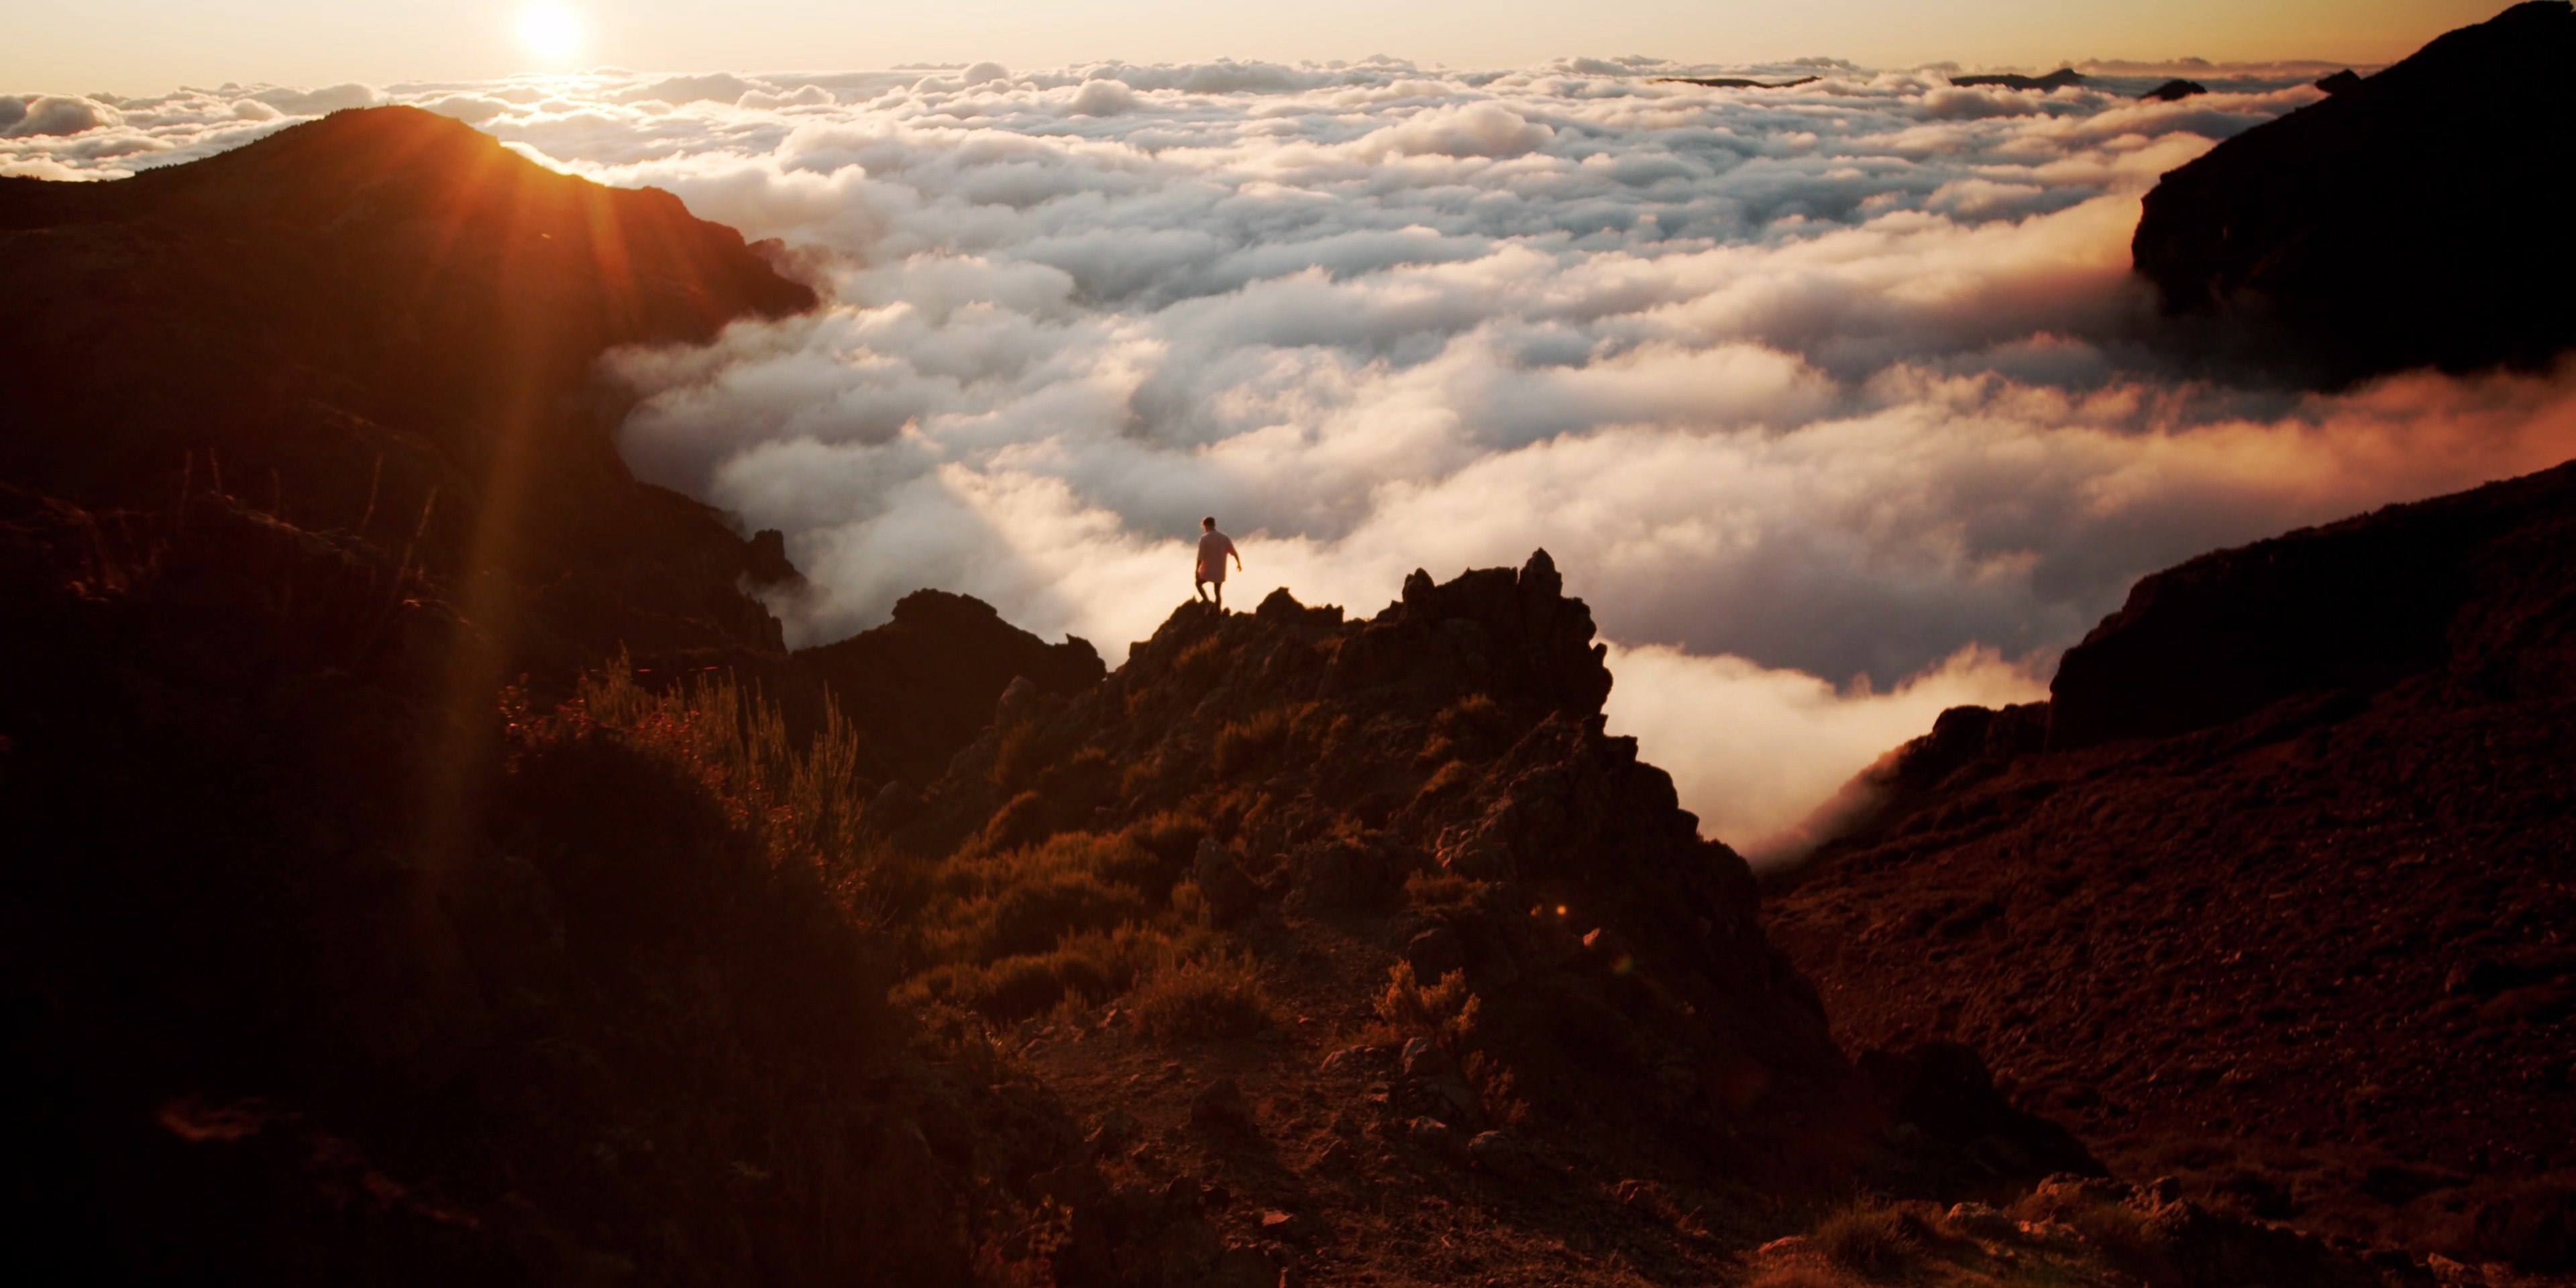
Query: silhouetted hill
(2272,894)
(2175,90)
(382,323)
(330,960)
(2409,220)
(2062,78)
(923,684)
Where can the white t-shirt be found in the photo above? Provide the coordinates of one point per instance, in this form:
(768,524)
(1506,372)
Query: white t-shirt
(1213,548)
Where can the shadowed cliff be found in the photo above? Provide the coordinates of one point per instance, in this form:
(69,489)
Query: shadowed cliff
(2411,219)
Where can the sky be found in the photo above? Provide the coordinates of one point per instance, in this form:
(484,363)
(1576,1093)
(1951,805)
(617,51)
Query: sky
(135,47)
(1831,401)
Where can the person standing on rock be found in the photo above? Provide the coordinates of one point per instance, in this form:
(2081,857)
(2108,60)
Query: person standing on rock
(1214,549)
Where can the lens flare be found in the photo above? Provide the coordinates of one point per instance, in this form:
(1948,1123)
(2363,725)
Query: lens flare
(551,32)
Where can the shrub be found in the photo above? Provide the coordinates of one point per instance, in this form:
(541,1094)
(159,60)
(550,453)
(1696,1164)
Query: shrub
(1445,1012)
(1872,1240)
(1243,744)
(1429,889)
(1473,728)
(1172,838)
(1214,997)
(1203,662)
(803,803)
(1084,968)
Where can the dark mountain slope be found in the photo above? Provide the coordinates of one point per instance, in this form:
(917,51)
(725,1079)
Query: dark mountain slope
(324,959)
(2274,893)
(2410,220)
(382,323)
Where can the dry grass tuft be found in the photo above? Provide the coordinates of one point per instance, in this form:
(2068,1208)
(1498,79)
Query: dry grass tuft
(1213,997)
(1873,1240)
(1445,1012)
(1246,744)
(803,803)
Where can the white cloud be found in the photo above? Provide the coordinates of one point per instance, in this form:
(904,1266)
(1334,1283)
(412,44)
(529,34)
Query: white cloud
(1827,399)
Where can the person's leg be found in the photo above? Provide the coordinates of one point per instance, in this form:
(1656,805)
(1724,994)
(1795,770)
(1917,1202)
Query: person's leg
(1220,594)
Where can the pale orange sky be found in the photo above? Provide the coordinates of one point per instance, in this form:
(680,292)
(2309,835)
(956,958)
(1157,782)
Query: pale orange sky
(137,47)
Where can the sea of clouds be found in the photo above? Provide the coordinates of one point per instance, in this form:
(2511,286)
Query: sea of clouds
(1829,399)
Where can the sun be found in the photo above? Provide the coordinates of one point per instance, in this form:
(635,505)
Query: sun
(551,32)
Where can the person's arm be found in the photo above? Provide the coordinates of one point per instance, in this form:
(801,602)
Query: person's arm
(1238,555)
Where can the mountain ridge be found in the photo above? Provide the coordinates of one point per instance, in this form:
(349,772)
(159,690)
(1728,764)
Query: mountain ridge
(2298,817)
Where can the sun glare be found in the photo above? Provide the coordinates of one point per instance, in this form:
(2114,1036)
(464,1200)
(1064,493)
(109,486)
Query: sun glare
(551,32)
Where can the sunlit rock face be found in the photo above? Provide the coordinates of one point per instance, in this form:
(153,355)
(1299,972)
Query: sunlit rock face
(2409,220)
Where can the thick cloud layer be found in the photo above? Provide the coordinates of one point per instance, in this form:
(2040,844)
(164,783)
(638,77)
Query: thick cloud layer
(1824,397)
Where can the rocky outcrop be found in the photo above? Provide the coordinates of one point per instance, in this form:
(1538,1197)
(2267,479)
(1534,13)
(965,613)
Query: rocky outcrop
(2407,221)
(2174,91)
(1437,779)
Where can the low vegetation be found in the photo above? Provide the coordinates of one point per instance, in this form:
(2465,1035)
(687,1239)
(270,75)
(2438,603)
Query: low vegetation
(1218,996)
(1872,1240)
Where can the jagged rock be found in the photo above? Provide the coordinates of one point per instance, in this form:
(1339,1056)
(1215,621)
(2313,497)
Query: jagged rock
(765,564)
(2408,220)
(1456,739)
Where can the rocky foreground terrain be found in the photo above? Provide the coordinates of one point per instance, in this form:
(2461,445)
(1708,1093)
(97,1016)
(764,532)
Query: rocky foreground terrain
(427,865)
